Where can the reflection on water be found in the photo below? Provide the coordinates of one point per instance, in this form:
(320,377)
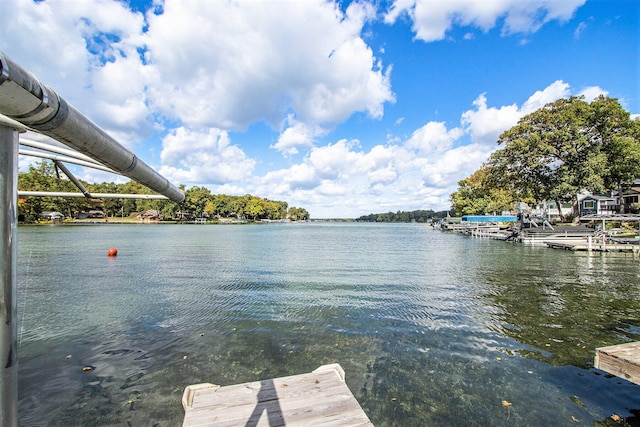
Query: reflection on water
(431,328)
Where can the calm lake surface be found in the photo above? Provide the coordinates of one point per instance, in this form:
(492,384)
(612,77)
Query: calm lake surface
(432,328)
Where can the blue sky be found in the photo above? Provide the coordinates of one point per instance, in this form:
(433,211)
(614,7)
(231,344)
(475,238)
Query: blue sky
(342,108)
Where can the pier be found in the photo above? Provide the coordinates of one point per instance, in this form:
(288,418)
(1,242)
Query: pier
(621,360)
(590,245)
(566,237)
(318,398)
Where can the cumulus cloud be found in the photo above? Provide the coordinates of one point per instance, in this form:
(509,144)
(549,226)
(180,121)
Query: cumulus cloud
(414,173)
(551,93)
(191,157)
(198,71)
(592,92)
(434,137)
(85,51)
(296,135)
(228,64)
(203,64)
(432,19)
(485,124)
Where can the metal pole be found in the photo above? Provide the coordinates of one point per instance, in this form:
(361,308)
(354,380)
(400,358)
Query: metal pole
(8,297)
(25,99)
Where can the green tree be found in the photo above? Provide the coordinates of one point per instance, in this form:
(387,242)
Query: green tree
(276,210)
(477,195)
(545,152)
(195,200)
(298,214)
(619,136)
(255,208)
(43,176)
(565,147)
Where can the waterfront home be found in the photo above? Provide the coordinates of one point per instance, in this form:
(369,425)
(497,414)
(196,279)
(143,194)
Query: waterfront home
(53,216)
(631,198)
(90,214)
(597,205)
(547,210)
(149,215)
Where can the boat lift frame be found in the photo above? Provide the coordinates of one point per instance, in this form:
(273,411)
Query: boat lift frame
(28,105)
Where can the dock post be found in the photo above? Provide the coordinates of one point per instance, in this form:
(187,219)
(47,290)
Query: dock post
(589,243)
(8,296)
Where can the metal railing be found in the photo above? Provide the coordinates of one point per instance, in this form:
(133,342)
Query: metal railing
(27,104)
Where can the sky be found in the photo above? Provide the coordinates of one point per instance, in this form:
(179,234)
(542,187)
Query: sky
(344,108)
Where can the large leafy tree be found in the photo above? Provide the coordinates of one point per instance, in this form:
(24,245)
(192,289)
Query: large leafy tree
(565,147)
(619,137)
(477,195)
(298,214)
(43,176)
(195,200)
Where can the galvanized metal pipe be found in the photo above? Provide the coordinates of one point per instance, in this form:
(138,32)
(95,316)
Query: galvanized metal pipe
(8,294)
(58,150)
(25,99)
(94,195)
(65,159)
(73,179)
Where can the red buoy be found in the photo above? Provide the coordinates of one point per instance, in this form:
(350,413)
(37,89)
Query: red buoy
(112,252)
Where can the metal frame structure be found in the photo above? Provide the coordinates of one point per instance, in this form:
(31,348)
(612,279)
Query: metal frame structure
(61,156)
(27,104)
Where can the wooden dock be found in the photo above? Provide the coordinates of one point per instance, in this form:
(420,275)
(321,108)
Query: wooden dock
(621,360)
(318,398)
(585,245)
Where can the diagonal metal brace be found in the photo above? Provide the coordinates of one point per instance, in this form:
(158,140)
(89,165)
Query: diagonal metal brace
(73,179)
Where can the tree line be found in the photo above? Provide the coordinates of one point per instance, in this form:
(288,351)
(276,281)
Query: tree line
(553,154)
(198,203)
(402,216)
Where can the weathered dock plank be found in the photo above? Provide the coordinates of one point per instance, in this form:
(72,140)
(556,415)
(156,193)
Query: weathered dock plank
(621,360)
(581,245)
(317,398)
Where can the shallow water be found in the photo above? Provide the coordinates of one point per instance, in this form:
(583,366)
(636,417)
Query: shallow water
(431,328)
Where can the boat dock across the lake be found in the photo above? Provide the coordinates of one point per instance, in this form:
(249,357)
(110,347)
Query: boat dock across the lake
(567,237)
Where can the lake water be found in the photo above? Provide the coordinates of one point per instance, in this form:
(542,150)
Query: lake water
(432,328)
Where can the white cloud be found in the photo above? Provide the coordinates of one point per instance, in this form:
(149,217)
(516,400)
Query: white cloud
(432,19)
(433,137)
(592,92)
(581,28)
(485,124)
(551,93)
(296,135)
(85,51)
(199,70)
(191,157)
(202,64)
(420,172)
(228,64)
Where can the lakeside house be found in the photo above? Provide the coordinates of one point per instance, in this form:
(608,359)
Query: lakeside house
(52,216)
(90,214)
(631,198)
(150,215)
(587,204)
(546,209)
(597,205)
